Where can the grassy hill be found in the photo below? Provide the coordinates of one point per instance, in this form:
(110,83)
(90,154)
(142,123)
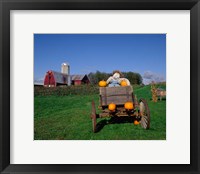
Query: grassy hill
(68,118)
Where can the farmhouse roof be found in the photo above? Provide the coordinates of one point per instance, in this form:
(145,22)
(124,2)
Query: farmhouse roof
(77,77)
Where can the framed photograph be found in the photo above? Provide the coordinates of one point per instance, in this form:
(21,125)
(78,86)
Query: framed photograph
(97,86)
(125,94)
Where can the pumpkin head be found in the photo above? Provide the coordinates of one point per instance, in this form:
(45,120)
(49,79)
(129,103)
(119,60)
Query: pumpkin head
(123,83)
(136,122)
(129,105)
(112,106)
(102,83)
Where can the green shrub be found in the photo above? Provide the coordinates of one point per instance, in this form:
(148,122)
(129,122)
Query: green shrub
(66,90)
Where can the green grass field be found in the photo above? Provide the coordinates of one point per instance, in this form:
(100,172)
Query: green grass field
(68,118)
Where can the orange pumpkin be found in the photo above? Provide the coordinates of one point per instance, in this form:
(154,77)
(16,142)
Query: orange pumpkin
(136,122)
(123,83)
(102,83)
(129,105)
(112,106)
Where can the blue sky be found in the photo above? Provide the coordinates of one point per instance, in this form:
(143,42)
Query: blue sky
(142,53)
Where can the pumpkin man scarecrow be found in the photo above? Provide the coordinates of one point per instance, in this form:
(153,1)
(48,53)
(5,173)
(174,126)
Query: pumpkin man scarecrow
(116,79)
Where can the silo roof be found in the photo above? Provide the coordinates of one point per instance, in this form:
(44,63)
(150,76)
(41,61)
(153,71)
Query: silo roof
(65,63)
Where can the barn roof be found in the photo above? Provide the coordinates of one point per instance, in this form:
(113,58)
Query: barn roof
(77,77)
(60,77)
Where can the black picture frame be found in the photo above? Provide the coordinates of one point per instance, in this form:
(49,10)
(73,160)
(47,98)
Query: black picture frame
(7,5)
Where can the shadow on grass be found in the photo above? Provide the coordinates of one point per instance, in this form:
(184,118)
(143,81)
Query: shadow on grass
(114,120)
(163,99)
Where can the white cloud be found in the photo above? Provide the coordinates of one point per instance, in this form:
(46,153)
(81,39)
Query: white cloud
(149,76)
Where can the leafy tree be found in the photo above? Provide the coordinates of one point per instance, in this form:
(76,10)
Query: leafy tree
(134,78)
(92,77)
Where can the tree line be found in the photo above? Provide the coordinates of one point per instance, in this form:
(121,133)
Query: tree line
(95,77)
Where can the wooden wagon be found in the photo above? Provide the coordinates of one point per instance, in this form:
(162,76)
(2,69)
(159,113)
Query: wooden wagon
(119,96)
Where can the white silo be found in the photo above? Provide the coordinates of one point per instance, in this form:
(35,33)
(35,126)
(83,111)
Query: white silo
(65,69)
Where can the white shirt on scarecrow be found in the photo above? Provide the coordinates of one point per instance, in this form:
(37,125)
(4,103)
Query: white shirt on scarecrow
(115,80)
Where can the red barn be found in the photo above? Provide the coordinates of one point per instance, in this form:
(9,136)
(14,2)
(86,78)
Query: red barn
(80,79)
(53,78)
